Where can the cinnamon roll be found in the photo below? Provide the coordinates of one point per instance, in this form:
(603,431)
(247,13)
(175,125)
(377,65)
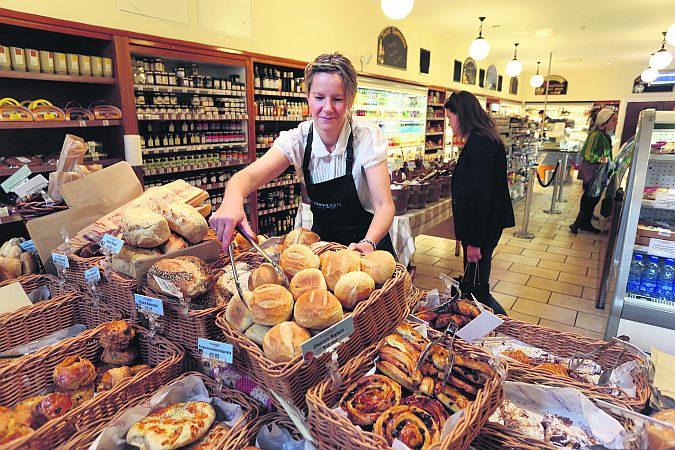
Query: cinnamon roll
(367,398)
(430,405)
(411,425)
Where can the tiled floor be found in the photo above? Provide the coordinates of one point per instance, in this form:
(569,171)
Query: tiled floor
(549,280)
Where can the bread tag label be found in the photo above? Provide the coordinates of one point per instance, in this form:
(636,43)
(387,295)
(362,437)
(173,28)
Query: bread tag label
(479,327)
(111,243)
(662,248)
(664,233)
(30,187)
(28,246)
(92,275)
(665,200)
(60,260)
(168,287)
(328,339)
(149,305)
(15,179)
(215,350)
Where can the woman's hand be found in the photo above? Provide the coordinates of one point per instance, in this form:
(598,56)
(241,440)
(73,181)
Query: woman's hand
(604,160)
(473,254)
(361,247)
(226,218)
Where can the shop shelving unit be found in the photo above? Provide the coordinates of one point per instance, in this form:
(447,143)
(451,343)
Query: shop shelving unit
(435,128)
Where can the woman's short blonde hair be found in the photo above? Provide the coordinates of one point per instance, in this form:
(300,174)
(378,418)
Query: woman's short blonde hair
(333,63)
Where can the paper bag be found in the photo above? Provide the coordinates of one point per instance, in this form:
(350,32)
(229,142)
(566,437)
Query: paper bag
(115,185)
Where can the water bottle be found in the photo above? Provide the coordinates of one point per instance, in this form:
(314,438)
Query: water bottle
(650,276)
(664,289)
(635,274)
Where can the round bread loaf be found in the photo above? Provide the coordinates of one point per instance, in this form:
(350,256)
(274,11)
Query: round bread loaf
(174,244)
(237,313)
(74,372)
(185,220)
(305,281)
(353,288)
(296,258)
(336,264)
(301,236)
(144,228)
(317,309)
(264,274)
(116,335)
(256,333)
(282,343)
(189,274)
(379,264)
(124,261)
(271,304)
(661,437)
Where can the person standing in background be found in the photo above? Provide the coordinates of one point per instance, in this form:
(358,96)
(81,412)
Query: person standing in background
(481,203)
(596,151)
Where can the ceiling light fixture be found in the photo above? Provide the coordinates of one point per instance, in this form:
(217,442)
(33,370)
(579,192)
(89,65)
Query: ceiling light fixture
(537,80)
(649,74)
(396,9)
(670,35)
(514,67)
(662,58)
(479,47)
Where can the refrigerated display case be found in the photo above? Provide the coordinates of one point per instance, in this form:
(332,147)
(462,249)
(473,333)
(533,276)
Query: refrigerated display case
(647,218)
(399,109)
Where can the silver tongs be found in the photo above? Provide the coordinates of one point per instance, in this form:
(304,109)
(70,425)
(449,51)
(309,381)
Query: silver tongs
(451,328)
(578,358)
(263,253)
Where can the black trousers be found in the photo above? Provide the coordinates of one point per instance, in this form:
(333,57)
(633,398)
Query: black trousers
(481,285)
(586,208)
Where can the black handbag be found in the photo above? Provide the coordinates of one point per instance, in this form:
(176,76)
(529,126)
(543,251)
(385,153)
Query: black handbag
(481,291)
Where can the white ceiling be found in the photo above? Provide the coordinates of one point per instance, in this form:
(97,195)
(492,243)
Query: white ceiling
(580,33)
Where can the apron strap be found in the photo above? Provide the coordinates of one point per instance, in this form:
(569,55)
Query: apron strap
(349,160)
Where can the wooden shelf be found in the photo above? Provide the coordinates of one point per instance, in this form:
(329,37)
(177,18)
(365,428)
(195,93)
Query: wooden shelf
(435,119)
(55,77)
(12,218)
(192,148)
(188,90)
(52,167)
(280,183)
(161,117)
(280,119)
(434,104)
(279,94)
(279,209)
(60,124)
(168,171)
(434,133)
(212,186)
(263,146)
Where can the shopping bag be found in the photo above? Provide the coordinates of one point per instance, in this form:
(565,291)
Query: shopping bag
(471,284)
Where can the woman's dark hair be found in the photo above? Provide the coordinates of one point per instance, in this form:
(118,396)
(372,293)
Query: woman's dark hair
(471,116)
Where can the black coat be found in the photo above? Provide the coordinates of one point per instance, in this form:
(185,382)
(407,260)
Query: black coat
(481,203)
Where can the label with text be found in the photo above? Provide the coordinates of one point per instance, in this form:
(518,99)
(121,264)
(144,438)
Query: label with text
(479,327)
(30,187)
(216,350)
(28,246)
(149,304)
(661,247)
(111,243)
(168,287)
(328,338)
(60,260)
(92,275)
(665,200)
(15,179)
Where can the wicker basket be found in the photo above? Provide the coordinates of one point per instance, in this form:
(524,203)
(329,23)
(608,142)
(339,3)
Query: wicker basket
(30,375)
(247,435)
(566,344)
(374,318)
(85,436)
(77,266)
(333,430)
(29,283)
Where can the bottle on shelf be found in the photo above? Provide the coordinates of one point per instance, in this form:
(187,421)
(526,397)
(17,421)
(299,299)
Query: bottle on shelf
(666,279)
(635,274)
(649,279)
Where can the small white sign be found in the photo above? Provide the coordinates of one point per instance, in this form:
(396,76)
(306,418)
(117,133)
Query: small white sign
(216,350)
(30,187)
(60,260)
(330,337)
(479,327)
(661,247)
(149,304)
(20,175)
(168,287)
(92,275)
(665,200)
(28,246)
(111,243)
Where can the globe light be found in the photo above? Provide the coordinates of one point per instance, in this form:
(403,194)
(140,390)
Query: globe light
(670,35)
(662,58)
(514,67)
(649,74)
(479,48)
(396,9)
(537,80)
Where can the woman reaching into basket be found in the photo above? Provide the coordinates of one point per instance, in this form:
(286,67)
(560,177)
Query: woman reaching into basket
(481,203)
(342,164)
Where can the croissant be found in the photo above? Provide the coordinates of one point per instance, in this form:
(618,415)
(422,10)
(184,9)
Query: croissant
(409,424)
(465,308)
(113,377)
(410,334)
(365,399)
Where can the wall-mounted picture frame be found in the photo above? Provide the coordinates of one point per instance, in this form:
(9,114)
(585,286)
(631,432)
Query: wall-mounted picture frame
(392,49)
(469,71)
(491,78)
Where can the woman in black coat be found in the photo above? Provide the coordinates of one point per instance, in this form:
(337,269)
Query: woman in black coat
(481,203)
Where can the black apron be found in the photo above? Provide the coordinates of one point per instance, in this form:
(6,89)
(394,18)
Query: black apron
(338,213)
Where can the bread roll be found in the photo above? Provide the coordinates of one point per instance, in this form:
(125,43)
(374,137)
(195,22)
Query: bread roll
(660,437)
(237,313)
(73,373)
(336,264)
(52,406)
(353,288)
(317,309)
(218,295)
(189,274)
(265,274)
(379,264)
(174,243)
(116,335)
(9,268)
(296,258)
(282,343)
(124,261)
(29,264)
(186,221)
(256,333)
(271,304)
(305,281)
(119,357)
(144,228)
(301,236)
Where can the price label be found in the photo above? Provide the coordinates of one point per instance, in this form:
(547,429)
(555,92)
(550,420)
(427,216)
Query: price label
(111,243)
(479,327)
(92,275)
(149,304)
(661,247)
(82,123)
(28,246)
(155,89)
(60,260)
(665,233)
(328,339)
(216,350)
(665,200)
(15,179)
(30,187)
(168,287)
(106,122)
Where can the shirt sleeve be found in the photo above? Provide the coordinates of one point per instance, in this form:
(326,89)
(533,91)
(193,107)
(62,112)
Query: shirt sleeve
(290,143)
(595,147)
(373,145)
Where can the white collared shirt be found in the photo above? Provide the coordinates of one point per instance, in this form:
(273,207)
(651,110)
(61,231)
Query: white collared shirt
(370,148)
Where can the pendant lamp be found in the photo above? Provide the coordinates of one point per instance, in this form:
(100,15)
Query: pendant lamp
(396,9)
(514,67)
(480,47)
(537,80)
(662,58)
(649,74)
(670,35)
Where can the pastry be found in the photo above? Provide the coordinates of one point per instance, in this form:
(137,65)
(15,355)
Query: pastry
(336,264)
(210,440)
(73,373)
(409,424)
(301,236)
(11,428)
(296,258)
(518,355)
(257,333)
(557,369)
(450,397)
(317,309)
(173,244)
(189,274)
(282,343)
(172,427)
(114,377)
(138,368)
(367,398)
(354,287)
(81,395)
(271,304)
(429,405)
(410,334)
(307,280)
(52,406)
(119,357)
(465,308)
(379,264)
(443,320)
(427,316)
(125,261)
(23,411)
(116,335)
(661,437)
(238,315)
(144,228)
(264,274)
(185,220)
(561,432)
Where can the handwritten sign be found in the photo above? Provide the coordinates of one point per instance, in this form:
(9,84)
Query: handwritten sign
(662,247)
(149,304)
(216,350)
(328,338)
(392,49)
(60,260)
(111,243)
(479,327)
